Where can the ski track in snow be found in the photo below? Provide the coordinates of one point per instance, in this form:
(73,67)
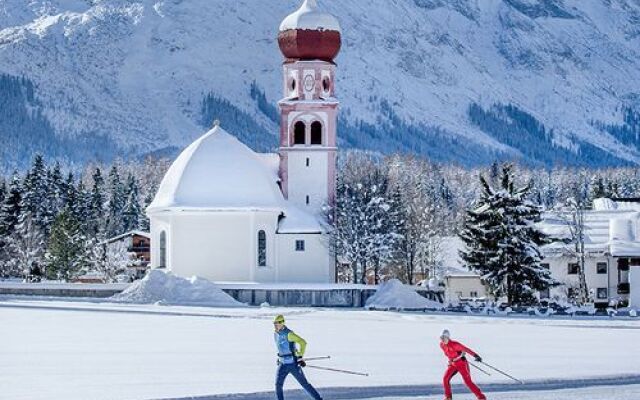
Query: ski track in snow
(549,389)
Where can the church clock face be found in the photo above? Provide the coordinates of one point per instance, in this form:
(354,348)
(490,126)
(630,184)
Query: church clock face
(309,83)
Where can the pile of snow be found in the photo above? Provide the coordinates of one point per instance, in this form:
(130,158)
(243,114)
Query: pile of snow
(165,288)
(393,295)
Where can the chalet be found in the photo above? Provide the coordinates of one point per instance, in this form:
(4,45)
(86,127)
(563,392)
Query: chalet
(611,250)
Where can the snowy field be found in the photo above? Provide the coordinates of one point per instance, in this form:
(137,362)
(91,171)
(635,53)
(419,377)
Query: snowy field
(80,351)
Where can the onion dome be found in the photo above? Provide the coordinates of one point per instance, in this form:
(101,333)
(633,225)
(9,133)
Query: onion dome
(310,34)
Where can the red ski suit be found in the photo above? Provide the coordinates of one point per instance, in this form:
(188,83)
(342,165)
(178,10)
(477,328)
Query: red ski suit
(458,364)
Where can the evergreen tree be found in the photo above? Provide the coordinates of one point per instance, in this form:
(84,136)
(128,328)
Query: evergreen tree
(69,195)
(81,197)
(116,204)
(11,207)
(596,188)
(96,205)
(35,194)
(10,211)
(132,214)
(3,191)
(613,189)
(502,242)
(56,191)
(494,174)
(26,247)
(66,248)
(145,224)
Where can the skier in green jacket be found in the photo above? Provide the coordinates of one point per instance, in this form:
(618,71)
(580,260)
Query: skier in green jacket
(291,348)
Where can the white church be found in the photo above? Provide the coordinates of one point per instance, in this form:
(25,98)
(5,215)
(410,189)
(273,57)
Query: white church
(228,214)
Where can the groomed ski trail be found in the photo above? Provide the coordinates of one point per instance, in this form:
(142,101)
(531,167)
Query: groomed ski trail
(376,392)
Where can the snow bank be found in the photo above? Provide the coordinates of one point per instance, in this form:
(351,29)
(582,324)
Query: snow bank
(165,288)
(393,295)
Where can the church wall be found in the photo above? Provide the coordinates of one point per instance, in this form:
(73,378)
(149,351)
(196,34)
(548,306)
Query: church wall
(212,246)
(314,265)
(268,223)
(158,225)
(219,246)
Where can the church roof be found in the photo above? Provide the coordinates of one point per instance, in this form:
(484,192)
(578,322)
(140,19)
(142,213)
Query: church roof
(309,17)
(297,221)
(218,172)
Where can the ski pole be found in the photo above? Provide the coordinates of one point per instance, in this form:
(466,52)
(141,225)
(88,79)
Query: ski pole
(338,370)
(479,369)
(502,372)
(316,358)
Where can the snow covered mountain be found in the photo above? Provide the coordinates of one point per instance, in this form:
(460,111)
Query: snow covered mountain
(543,81)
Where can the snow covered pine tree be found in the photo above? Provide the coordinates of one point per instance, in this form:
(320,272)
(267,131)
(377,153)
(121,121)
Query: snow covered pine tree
(502,241)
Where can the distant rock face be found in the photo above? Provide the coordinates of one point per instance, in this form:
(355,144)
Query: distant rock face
(135,75)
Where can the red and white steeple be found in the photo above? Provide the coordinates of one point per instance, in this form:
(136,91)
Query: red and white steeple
(309,40)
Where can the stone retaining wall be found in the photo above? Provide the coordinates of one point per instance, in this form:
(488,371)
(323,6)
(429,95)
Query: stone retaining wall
(288,297)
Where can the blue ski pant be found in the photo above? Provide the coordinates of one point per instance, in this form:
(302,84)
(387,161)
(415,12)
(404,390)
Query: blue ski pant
(294,369)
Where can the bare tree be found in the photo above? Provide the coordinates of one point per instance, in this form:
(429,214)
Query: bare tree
(574,218)
(110,259)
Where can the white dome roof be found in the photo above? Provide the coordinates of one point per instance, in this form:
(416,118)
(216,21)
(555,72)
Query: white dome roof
(218,172)
(309,17)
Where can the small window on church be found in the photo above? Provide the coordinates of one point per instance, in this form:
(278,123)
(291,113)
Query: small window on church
(316,133)
(307,199)
(262,249)
(326,84)
(299,245)
(308,161)
(299,133)
(163,250)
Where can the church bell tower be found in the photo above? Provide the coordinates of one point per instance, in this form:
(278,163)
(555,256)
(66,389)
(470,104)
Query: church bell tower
(309,40)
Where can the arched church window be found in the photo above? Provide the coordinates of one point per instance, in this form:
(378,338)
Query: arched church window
(326,84)
(163,250)
(316,133)
(299,133)
(262,249)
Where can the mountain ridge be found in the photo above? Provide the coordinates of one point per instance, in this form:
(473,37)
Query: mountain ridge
(137,73)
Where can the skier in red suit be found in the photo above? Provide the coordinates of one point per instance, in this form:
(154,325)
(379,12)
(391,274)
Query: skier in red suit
(455,352)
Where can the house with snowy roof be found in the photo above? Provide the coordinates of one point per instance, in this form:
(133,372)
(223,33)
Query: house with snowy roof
(459,282)
(611,248)
(228,214)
